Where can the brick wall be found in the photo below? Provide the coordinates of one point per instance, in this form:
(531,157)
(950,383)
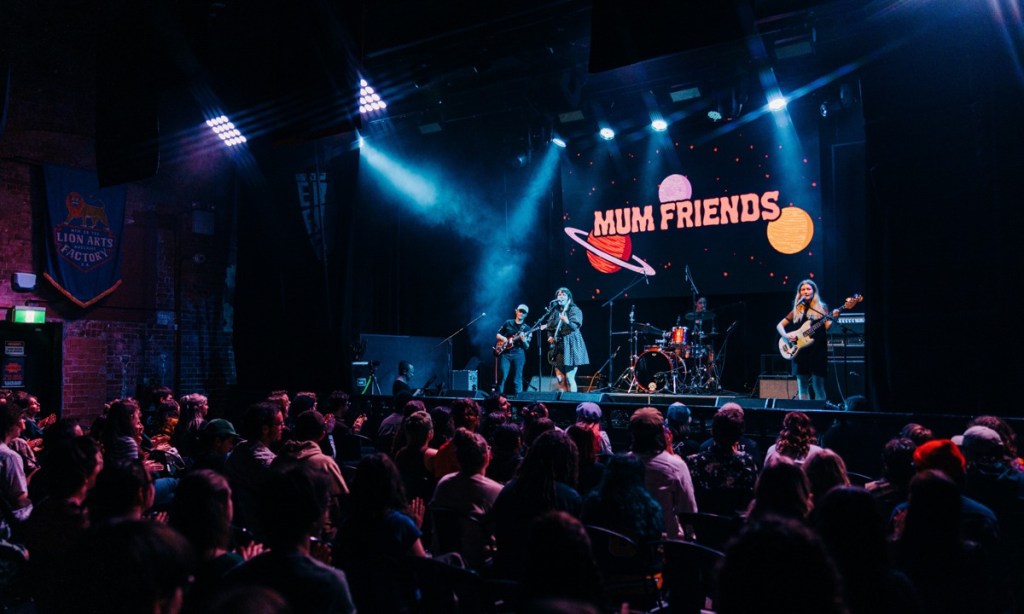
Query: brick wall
(169,323)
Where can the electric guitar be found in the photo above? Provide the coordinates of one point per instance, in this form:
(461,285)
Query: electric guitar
(805,334)
(500,348)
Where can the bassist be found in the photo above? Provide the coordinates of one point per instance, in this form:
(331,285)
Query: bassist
(513,339)
(810,364)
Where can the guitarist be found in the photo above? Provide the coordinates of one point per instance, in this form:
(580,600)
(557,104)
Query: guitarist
(568,351)
(513,340)
(810,365)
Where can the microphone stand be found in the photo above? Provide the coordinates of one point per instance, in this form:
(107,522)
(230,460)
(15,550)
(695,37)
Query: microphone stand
(540,344)
(610,304)
(448,340)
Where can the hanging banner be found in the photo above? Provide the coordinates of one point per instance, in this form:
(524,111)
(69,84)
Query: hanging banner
(84,234)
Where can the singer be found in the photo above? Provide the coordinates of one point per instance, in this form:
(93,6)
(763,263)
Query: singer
(568,351)
(810,364)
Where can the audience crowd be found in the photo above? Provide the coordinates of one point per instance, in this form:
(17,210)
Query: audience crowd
(164,505)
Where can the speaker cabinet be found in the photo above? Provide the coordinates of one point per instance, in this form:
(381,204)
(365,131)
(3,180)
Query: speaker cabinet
(777,387)
(464,380)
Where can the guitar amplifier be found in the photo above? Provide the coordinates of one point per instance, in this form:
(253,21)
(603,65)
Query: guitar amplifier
(464,380)
(777,387)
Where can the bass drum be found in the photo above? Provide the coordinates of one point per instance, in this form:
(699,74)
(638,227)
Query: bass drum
(654,370)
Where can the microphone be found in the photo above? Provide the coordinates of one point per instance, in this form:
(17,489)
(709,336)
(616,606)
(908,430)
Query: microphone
(731,326)
(632,309)
(616,352)
(647,279)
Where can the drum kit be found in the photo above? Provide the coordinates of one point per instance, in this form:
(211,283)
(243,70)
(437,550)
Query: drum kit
(679,360)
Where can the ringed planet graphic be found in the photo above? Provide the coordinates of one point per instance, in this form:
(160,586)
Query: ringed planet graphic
(606,261)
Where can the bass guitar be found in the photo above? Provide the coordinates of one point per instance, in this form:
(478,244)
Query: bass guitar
(805,334)
(500,348)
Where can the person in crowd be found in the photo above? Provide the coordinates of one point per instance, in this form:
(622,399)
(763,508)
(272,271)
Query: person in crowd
(60,518)
(202,513)
(303,401)
(412,459)
(123,491)
(122,431)
(776,565)
(1006,434)
(217,438)
(304,449)
(825,470)
(949,572)
(469,492)
(121,568)
(535,428)
(591,468)
(382,528)
(16,505)
(746,444)
(560,565)
(666,475)
(918,433)
(389,432)
(444,426)
(588,416)
(506,455)
(465,415)
(679,420)
(897,470)
(978,522)
(623,504)
(342,442)
(29,404)
(545,482)
(185,437)
(568,350)
(724,475)
(855,536)
(294,506)
(496,410)
(782,490)
(796,439)
(248,464)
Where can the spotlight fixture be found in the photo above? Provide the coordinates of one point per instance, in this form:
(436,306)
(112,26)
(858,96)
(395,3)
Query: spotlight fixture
(558,142)
(659,125)
(369,100)
(607,134)
(777,103)
(715,115)
(226,130)
(688,93)
(825,108)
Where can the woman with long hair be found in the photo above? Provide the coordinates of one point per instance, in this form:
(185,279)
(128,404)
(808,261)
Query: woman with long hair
(568,350)
(810,363)
(545,481)
(797,439)
(622,503)
(185,438)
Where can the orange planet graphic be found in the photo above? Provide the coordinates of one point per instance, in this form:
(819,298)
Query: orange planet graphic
(792,232)
(610,254)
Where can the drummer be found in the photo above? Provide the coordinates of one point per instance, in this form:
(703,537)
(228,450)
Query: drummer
(700,313)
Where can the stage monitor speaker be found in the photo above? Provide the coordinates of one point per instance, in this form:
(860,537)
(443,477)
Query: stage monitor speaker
(776,387)
(464,380)
(582,397)
(542,383)
(467,394)
(797,404)
(537,397)
(744,402)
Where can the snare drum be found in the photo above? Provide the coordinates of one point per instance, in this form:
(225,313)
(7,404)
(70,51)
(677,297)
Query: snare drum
(679,336)
(652,348)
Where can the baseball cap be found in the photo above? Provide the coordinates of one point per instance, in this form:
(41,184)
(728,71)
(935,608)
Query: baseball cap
(522,307)
(588,412)
(219,427)
(978,440)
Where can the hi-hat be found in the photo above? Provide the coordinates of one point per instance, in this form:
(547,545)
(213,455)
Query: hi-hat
(700,315)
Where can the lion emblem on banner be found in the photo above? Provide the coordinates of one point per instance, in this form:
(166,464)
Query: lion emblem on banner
(87,215)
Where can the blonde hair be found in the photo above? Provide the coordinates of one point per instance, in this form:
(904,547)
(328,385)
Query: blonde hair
(816,306)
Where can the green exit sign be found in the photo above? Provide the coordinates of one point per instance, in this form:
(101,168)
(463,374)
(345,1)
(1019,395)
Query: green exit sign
(28,315)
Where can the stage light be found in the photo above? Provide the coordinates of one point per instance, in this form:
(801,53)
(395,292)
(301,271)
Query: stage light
(607,134)
(369,100)
(226,130)
(557,141)
(688,93)
(715,115)
(659,125)
(777,103)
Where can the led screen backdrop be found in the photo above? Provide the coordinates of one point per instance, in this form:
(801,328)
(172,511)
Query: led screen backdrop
(741,208)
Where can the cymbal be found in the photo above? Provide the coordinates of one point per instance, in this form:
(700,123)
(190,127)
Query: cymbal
(648,328)
(699,316)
